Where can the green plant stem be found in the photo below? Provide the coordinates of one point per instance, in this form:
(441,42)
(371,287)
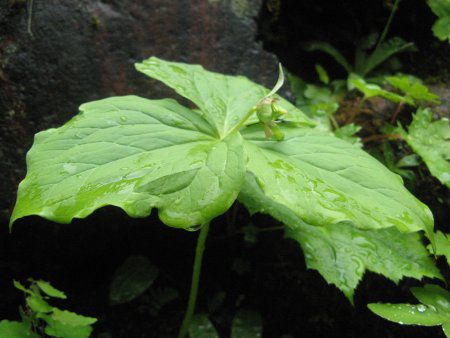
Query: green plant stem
(195,280)
(388,24)
(241,123)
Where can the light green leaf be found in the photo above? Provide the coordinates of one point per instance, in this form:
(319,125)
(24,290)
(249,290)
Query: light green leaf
(381,54)
(71,318)
(370,90)
(21,287)
(433,296)
(246,324)
(9,329)
(135,154)
(342,253)
(132,279)
(323,75)
(408,314)
(38,304)
(413,87)
(431,141)
(347,133)
(201,327)
(441,28)
(50,290)
(446,329)
(59,329)
(442,246)
(325,180)
(222,99)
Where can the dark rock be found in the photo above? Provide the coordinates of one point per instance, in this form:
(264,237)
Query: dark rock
(85,50)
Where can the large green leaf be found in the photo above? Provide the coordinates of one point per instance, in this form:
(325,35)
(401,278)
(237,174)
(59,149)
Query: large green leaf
(9,329)
(431,141)
(135,154)
(325,180)
(223,100)
(341,252)
(434,310)
(442,246)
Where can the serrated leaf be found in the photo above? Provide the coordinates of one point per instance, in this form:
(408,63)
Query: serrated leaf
(201,327)
(431,141)
(132,279)
(442,246)
(412,87)
(246,324)
(10,329)
(50,290)
(71,318)
(223,100)
(135,154)
(408,314)
(325,180)
(342,253)
(370,90)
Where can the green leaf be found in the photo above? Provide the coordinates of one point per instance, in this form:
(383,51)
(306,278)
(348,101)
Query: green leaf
(56,328)
(50,290)
(135,154)
(433,296)
(442,246)
(323,75)
(370,90)
(408,314)
(340,252)
(201,327)
(71,318)
(9,329)
(446,328)
(347,133)
(38,304)
(333,52)
(325,180)
(223,100)
(412,87)
(441,28)
(385,51)
(246,324)
(21,287)
(431,141)
(132,279)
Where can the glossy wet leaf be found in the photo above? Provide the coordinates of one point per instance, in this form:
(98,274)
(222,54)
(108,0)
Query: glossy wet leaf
(431,141)
(132,279)
(325,180)
(135,154)
(247,324)
(341,252)
(434,308)
(10,329)
(201,327)
(222,99)
(50,290)
(442,246)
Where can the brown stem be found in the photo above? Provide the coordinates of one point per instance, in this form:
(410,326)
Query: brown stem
(397,111)
(382,137)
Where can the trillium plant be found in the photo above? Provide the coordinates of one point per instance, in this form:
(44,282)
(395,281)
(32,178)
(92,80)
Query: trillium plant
(241,142)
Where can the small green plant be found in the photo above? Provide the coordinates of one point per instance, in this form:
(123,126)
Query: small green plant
(242,142)
(39,317)
(434,309)
(441,28)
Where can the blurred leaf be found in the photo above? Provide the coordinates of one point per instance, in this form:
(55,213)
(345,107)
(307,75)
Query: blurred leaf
(431,141)
(441,28)
(60,329)
(348,132)
(412,87)
(201,327)
(434,310)
(71,318)
(132,279)
(49,290)
(21,287)
(323,75)
(161,297)
(333,52)
(442,246)
(9,329)
(246,324)
(408,161)
(38,304)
